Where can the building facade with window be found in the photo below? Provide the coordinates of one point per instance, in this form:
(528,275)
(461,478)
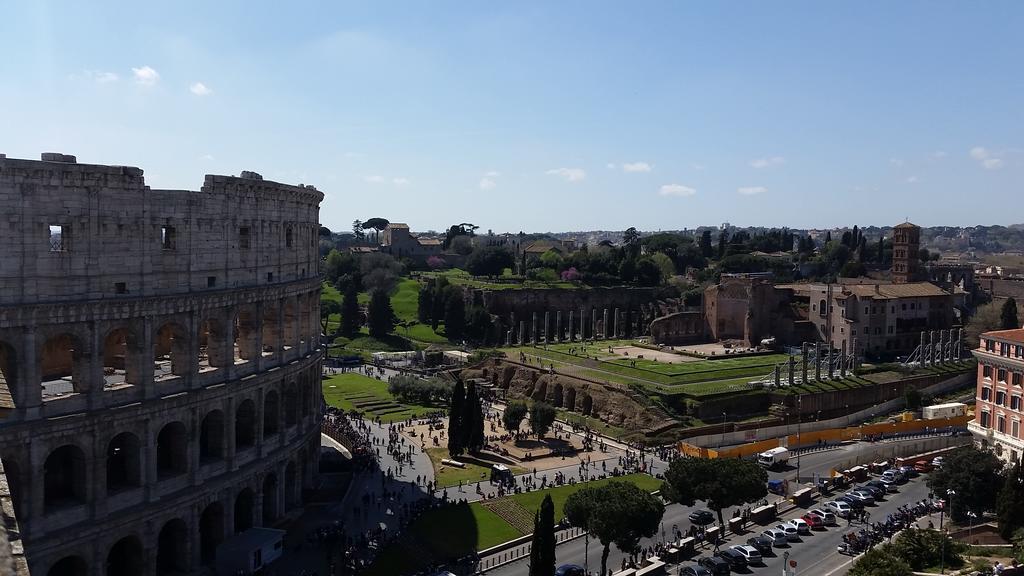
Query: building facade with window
(159,363)
(1000,408)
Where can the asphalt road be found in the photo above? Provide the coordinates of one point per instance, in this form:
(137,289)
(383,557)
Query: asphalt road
(816,554)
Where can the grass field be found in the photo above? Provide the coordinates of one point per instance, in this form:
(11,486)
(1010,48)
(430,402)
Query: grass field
(474,527)
(357,392)
(445,476)
(404,303)
(463,278)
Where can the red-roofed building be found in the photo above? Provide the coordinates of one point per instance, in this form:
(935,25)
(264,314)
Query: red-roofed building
(1000,393)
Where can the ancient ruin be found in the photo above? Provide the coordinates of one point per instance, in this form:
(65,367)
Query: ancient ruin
(159,362)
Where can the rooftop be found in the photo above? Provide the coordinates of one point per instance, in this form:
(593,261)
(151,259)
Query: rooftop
(398,225)
(1015,335)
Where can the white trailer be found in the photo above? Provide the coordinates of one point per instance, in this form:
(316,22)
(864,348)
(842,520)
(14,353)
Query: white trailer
(937,411)
(774,457)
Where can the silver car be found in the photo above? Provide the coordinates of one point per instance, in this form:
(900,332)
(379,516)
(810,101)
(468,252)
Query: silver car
(750,553)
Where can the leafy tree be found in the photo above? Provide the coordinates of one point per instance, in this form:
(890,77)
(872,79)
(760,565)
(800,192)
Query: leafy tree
(472,421)
(975,477)
(513,416)
(723,239)
(1008,315)
(542,552)
(479,325)
(616,512)
(880,561)
(350,311)
(912,399)
(357,230)
(986,318)
(627,270)
(542,416)
(631,241)
(324,231)
(425,302)
(328,308)
(1010,503)
(489,261)
(455,434)
(852,269)
(551,259)
(705,244)
(647,272)
(665,265)
(380,272)
(923,548)
(377,225)
(455,316)
(382,317)
(721,482)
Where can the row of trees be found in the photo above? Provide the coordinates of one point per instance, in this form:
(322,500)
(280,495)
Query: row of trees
(542,416)
(439,301)
(465,420)
(413,390)
(992,316)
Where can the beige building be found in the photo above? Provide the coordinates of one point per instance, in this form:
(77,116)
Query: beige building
(398,242)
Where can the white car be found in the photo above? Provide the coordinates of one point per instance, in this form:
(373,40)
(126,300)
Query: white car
(792,533)
(937,462)
(750,553)
(802,527)
(841,509)
(827,518)
(778,537)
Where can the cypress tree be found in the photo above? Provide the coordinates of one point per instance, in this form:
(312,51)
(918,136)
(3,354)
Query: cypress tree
(350,311)
(455,316)
(1008,315)
(455,435)
(472,421)
(382,317)
(542,553)
(1010,504)
(881,249)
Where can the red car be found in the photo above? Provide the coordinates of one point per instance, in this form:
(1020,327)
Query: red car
(814,521)
(923,466)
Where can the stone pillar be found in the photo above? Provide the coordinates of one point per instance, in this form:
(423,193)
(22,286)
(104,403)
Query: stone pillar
(959,344)
(572,327)
(28,381)
(512,326)
(791,366)
(534,330)
(604,324)
(828,356)
(522,331)
(776,374)
(547,327)
(931,348)
(947,345)
(593,323)
(817,361)
(842,362)
(854,358)
(923,349)
(616,329)
(558,326)
(803,363)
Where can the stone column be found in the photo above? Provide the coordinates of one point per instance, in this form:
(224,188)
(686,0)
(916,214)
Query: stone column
(803,362)
(828,356)
(604,324)
(534,331)
(931,348)
(791,366)
(572,326)
(616,328)
(29,379)
(947,345)
(842,362)
(512,327)
(817,361)
(959,344)
(593,323)
(547,327)
(854,358)
(522,331)
(777,376)
(923,349)
(558,326)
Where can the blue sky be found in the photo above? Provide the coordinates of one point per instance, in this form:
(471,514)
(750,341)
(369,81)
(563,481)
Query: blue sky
(542,116)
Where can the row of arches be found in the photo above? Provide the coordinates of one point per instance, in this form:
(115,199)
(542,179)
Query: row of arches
(177,547)
(57,361)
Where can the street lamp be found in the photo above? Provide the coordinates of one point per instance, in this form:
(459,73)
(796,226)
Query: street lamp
(942,555)
(724,421)
(799,419)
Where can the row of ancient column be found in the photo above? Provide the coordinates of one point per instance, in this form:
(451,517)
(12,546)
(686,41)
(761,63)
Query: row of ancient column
(619,326)
(832,359)
(945,350)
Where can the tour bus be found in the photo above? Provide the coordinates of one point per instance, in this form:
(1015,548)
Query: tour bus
(774,457)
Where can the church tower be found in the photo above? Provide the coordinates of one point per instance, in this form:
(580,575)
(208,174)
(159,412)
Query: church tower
(906,244)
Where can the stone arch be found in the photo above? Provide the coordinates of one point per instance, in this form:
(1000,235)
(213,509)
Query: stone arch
(271,413)
(63,356)
(271,324)
(245,424)
(213,345)
(586,404)
(291,405)
(172,450)
(540,392)
(9,372)
(270,498)
(570,398)
(556,395)
(170,347)
(122,357)
(172,548)
(211,532)
(289,485)
(124,465)
(307,399)
(64,477)
(289,321)
(245,504)
(211,437)
(69,566)
(126,557)
(246,330)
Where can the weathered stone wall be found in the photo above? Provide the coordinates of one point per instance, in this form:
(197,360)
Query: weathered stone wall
(679,328)
(139,428)
(613,404)
(527,301)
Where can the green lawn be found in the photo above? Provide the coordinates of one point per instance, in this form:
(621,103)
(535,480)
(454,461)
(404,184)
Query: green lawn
(445,476)
(531,500)
(353,391)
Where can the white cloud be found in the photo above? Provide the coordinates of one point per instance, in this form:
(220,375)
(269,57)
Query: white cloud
(751,190)
(636,167)
(400,181)
(199,89)
(101,77)
(988,159)
(979,153)
(493,174)
(145,76)
(206,157)
(939,154)
(610,166)
(913,180)
(766,162)
(569,174)
(897,162)
(374,179)
(487,184)
(676,190)
(698,166)
(992,163)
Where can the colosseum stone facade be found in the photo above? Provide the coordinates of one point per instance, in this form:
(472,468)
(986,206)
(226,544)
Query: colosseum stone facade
(159,363)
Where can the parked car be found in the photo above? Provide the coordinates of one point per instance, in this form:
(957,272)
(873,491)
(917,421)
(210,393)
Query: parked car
(828,518)
(736,560)
(861,498)
(802,527)
(750,553)
(814,521)
(792,534)
(695,570)
(923,466)
(762,543)
(715,565)
(778,537)
(570,570)
(893,476)
(937,462)
(702,517)
(909,471)
(840,507)
(882,486)
(875,492)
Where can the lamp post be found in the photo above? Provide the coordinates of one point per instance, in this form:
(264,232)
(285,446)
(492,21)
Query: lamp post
(942,555)
(799,418)
(725,419)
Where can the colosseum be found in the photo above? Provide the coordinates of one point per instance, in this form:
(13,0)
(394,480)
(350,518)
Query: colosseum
(159,365)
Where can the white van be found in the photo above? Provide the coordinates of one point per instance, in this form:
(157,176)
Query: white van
(774,457)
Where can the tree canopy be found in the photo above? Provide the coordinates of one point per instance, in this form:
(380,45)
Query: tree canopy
(721,482)
(616,512)
(974,475)
(489,261)
(513,416)
(879,561)
(381,317)
(1008,315)
(542,416)
(542,552)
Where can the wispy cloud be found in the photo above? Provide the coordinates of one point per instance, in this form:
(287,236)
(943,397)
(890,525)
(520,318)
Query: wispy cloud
(145,76)
(206,157)
(897,162)
(401,181)
(487,183)
(569,174)
(636,167)
(199,89)
(913,180)
(751,190)
(676,190)
(611,166)
(766,162)
(100,77)
(988,159)
(374,179)
(938,154)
